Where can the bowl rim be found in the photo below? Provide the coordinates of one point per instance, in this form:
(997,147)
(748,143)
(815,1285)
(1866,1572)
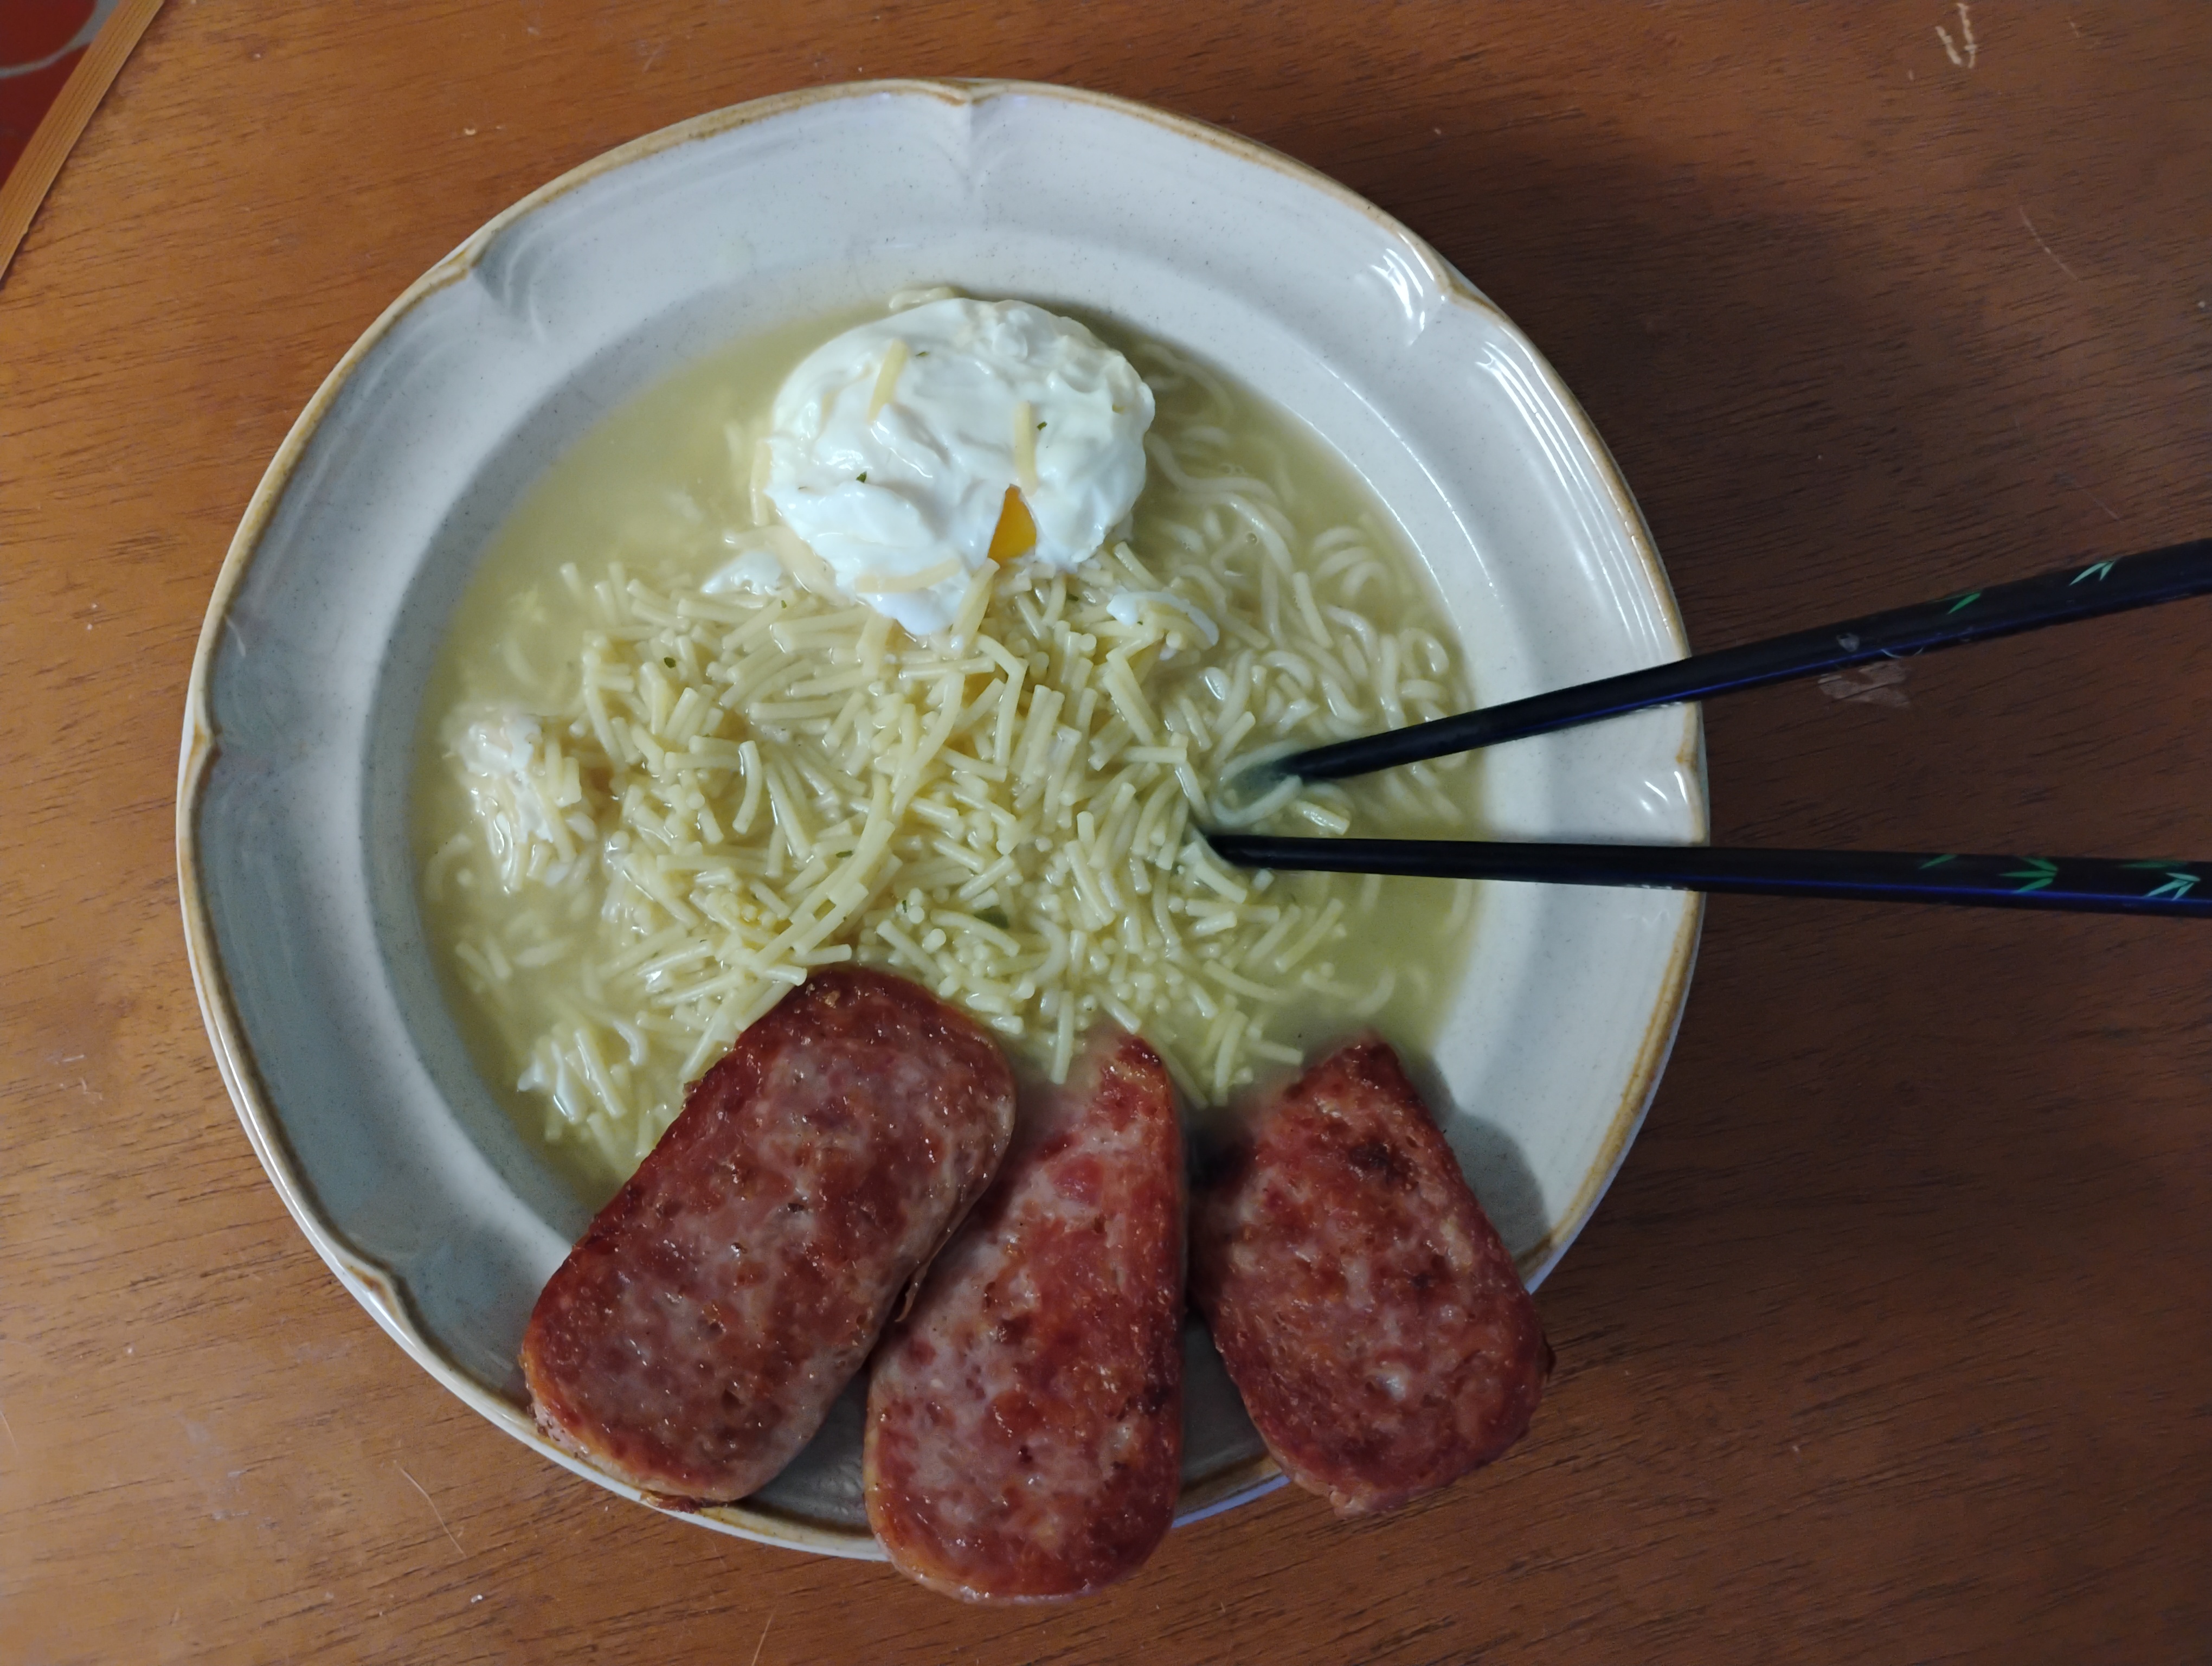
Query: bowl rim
(373,1285)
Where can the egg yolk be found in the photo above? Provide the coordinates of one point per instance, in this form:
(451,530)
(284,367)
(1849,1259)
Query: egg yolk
(1016,534)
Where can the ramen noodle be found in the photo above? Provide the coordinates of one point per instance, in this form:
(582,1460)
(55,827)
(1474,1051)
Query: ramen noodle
(649,800)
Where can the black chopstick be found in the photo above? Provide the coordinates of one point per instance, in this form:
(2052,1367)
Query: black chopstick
(2075,883)
(1967,616)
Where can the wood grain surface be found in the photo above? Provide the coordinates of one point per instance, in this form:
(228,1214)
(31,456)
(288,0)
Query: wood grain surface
(1891,1341)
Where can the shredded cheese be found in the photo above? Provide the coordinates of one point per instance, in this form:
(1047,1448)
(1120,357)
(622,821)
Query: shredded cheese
(887,378)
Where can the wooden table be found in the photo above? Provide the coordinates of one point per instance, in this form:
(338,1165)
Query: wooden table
(1891,1342)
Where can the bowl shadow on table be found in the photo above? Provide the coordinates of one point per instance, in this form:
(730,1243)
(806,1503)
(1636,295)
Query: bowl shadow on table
(1790,398)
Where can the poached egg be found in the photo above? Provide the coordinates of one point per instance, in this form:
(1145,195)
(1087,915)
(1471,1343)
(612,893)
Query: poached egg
(909,452)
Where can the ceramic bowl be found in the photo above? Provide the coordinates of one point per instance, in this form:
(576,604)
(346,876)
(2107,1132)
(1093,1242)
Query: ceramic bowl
(299,895)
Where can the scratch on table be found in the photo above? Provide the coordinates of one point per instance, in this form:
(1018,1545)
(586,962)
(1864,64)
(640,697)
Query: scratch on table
(1875,685)
(763,1644)
(2069,480)
(1966,39)
(433,1503)
(2046,248)
(5,1424)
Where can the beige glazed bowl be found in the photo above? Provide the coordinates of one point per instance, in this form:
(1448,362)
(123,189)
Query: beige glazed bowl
(327,1016)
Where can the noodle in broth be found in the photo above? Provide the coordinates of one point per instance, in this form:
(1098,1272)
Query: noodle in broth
(645,809)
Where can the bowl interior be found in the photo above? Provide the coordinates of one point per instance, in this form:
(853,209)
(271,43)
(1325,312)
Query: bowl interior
(328,1016)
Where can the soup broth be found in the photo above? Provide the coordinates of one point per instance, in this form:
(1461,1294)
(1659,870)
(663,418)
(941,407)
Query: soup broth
(644,807)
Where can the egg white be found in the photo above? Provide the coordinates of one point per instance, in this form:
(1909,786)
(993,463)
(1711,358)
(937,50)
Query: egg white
(892,446)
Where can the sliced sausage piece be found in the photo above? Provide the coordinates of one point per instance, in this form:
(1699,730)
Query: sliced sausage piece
(694,1339)
(1363,1303)
(1024,1436)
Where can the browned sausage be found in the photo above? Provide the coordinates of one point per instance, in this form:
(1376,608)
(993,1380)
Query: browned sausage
(694,1339)
(1024,1434)
(1364,1305)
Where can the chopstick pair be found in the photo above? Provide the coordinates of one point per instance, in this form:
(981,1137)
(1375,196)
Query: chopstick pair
(2080,884)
